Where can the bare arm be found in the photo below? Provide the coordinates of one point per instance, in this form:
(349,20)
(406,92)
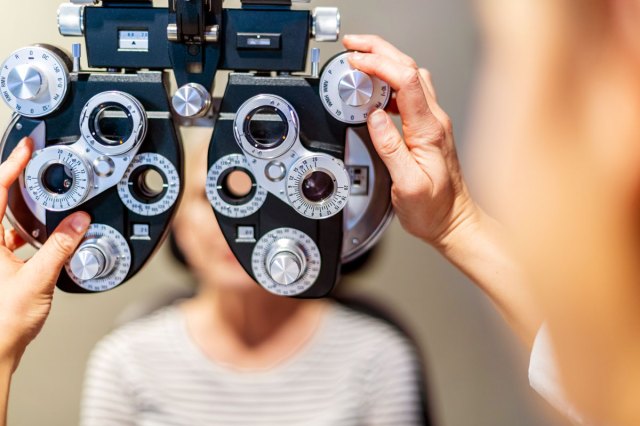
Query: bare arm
(26,288)
(429,193)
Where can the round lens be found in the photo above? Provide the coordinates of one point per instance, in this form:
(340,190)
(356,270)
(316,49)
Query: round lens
(238,184)
(266,128)
(112,125)
(318,187)
(151,183)
(147,184)
(57,179)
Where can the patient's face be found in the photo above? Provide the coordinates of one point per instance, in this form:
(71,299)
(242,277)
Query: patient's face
(199,236)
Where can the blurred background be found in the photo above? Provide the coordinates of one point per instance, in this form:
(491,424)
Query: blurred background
(477,371)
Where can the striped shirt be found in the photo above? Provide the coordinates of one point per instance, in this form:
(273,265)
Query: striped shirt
(355,371)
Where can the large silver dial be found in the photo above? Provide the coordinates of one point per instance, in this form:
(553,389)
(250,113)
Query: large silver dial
(350,95)
(286,262)
(223,199)
(102,261)
(34,81)
(143,196)
(318,186)
(57,178)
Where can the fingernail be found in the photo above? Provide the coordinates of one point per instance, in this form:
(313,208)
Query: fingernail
(80,223)
(378,119)
(356,56)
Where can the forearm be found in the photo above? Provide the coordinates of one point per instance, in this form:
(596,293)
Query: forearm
(479,248)
(6,371)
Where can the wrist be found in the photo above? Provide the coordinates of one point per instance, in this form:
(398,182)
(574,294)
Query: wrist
(466,225)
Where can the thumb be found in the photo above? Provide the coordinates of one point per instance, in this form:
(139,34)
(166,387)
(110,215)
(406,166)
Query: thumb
(45,266)
(391,148)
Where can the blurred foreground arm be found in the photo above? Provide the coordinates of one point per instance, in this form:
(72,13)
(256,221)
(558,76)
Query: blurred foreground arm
(26,288)
(429,194)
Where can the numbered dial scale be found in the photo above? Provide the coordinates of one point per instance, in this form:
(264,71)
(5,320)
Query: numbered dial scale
(350,95)
(102,261)
(138,196)
(34,80)
(217,193)
(286,262)
(318,186)
(57,178)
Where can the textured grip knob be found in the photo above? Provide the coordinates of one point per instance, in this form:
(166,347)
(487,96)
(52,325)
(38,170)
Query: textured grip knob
(326,24)
(71,19)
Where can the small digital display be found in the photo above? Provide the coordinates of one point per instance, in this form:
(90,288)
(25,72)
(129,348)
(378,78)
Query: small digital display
(133,41)
(259,42)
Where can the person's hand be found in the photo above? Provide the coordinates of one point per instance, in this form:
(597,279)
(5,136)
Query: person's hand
(26,288)
(429,194)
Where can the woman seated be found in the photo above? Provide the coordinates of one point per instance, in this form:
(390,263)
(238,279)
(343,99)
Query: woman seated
(237,355)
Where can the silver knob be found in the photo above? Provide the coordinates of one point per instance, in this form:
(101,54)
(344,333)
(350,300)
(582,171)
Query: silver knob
(71,19)
(286,262)
(192,101)
(326,24)
(26,82)
(88,262)
(356,88)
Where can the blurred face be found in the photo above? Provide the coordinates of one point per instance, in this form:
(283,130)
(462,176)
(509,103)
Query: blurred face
(199,236)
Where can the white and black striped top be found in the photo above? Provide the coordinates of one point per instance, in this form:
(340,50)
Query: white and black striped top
(356,371)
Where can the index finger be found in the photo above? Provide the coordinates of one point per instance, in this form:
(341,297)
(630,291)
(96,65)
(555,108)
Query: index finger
(15,164)
(378,45)
(11,169)
(412,102)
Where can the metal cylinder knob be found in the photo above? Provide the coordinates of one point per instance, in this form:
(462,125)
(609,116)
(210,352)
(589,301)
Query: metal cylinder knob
(326,24)
(191,101)
(71,19)
(286,262)
(92,260)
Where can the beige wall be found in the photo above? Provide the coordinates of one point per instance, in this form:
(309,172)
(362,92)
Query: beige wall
(477,370)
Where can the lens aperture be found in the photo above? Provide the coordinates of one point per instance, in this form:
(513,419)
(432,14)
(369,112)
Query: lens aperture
(57,179)
(318,187)
(266,128)
(112,124)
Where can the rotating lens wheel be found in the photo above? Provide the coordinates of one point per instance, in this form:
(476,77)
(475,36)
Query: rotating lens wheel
(151,185)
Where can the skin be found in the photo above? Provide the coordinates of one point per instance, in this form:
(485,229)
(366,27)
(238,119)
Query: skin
(429,193)
(26,290)
(557,146)
(233,320)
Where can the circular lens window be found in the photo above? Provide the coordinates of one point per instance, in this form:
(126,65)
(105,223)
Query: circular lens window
(236,186)
(148,184)
(111,124)
(318,187)
(57,178)
(266,127)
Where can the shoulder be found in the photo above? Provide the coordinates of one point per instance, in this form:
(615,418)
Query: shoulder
(370,337)
(142,337)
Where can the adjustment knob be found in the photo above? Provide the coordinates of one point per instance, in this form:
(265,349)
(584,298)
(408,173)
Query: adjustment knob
(192,101)
(350,95)
(326,24)
(102,261)
(25,82)
(71,19)
(286,262)
(93,259)
(88,263)
(356,88)
(35,80)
